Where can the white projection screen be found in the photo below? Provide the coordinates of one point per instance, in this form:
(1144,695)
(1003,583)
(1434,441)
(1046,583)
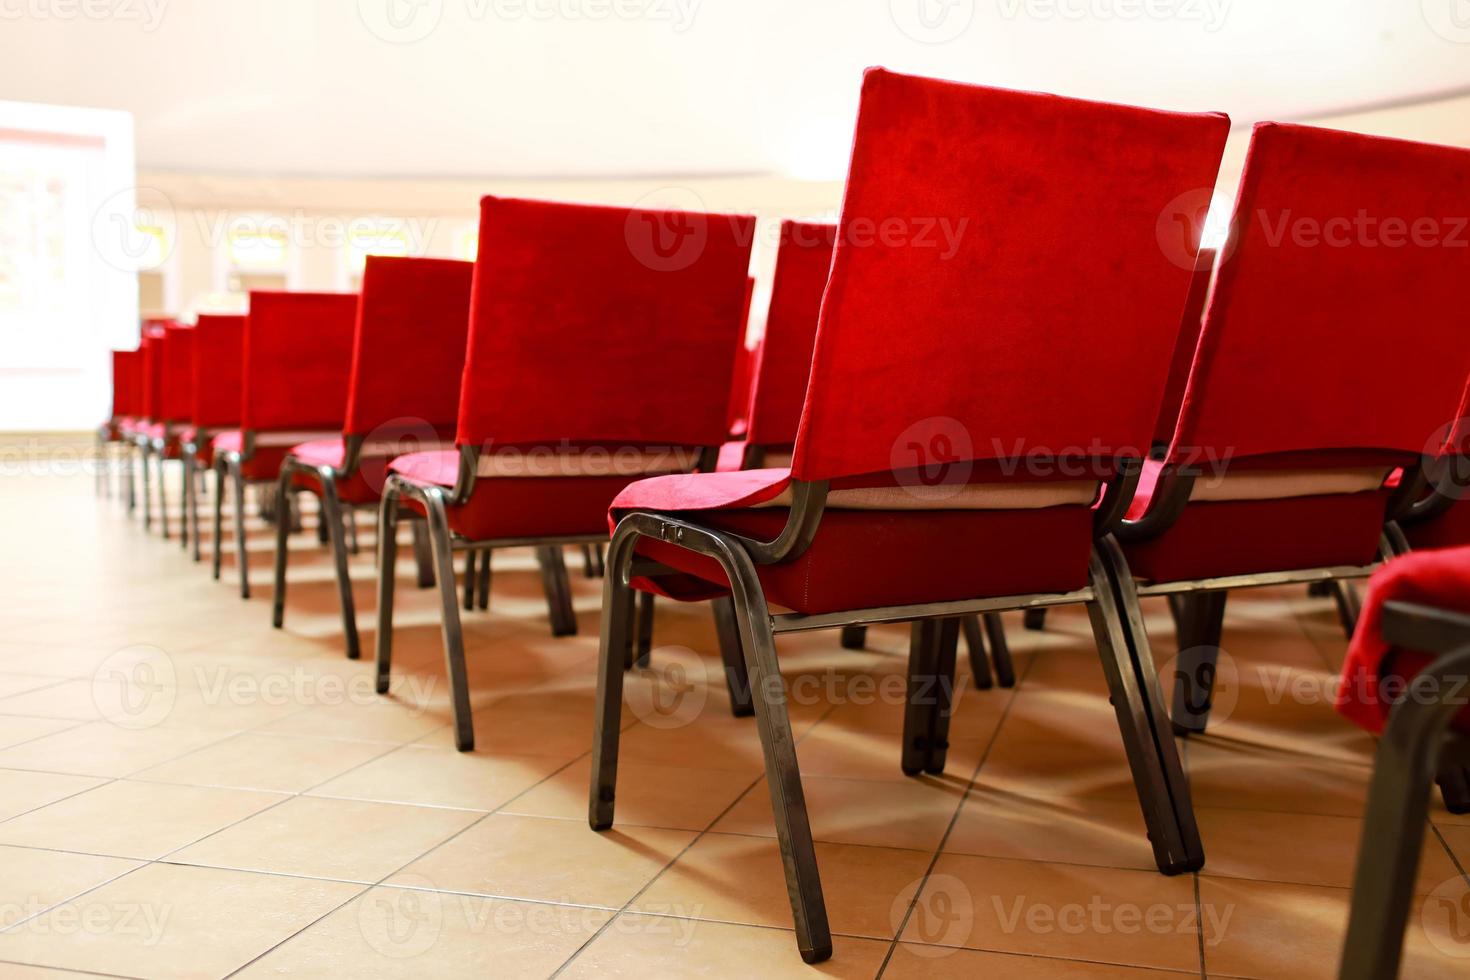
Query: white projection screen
(70,252)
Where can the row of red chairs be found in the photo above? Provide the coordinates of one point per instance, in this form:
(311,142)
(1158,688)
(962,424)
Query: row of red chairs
(1014,422)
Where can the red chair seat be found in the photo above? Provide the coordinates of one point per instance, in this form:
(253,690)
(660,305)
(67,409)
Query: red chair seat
(1440,579)
(861,559)
(1238,537)
(516,507)
(265,464)
(363,487)
(1449,530)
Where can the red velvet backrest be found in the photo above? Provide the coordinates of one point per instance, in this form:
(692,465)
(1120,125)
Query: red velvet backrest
(740,378)
(127,378)
(298,353)
(1330,327)
(998,286)
(151,347)
(178,371)
(408,351)
(785,359)
(1458,441)
(1189,328)
(602,325)
(219,355)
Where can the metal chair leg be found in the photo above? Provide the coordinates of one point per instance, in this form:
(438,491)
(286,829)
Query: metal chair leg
(336,536)
(283,530)
(588,568)
(128,473)
(1034,620)
(191,504)
(644,647)
(422,556)
(162,498)
(470,562)
(1349,605)
(484,584)
(459,685)
(1201,620)
(1153,758)
(919,705)
(143,455)
(1000,650)
(727,634)
(351,515)
(184,495)
(219,519)
(1454,787)
(943,691)
(1393,827)
(975,643)
(387,562)
(854,637)
(241,556)
(783,776)
(558,590)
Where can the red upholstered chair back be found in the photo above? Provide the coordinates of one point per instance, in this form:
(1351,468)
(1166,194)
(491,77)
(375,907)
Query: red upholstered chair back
(1458,441)
(784,361)
(1339,322)
(408,352)
(602,325)
(740,379)
(1184,346)
(219,354)
(151,348)
(298,353)
(178,373)
(998,285)
(127,379)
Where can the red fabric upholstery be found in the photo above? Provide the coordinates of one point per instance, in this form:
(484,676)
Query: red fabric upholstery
(1324,302)
(735,422)
(785,358)
(298,354)
(516,507)
(1449,530)
(364,486)
(1432,578)
(409,349)
(1189,328)
(990,321)
(219,350)
(602,324)
(127,381)
(178,370)
(151,347)
(264,463)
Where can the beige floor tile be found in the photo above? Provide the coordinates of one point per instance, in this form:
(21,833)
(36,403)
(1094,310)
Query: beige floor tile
(910,814)
(916,962)
(1130,918)
(1107,833)
(1027,761)
(15,730)
(648,796)
(540,859)
(170,921)
(287,764)
(1225,773)
(21,791)
(384,721)
(740,879)
(432,776)
(13,684)
(1276,930)
(395,932)
(103,749)
(848,754)
(346,839)
(36,880)
(134,819)
(652,946)
(1295,847)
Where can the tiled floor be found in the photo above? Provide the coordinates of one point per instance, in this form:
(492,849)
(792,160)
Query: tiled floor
(185,791)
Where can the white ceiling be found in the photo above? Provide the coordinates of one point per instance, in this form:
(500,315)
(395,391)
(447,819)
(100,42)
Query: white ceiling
(548,88)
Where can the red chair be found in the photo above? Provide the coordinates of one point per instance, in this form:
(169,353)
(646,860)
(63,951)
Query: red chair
(118,430)
(297,359)
(596,336)
(150,424)
(219,350)
(402,394)
(1441,518)
(1277,469)
(176,402)
(742,378)
(938,352)
(1406,677)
